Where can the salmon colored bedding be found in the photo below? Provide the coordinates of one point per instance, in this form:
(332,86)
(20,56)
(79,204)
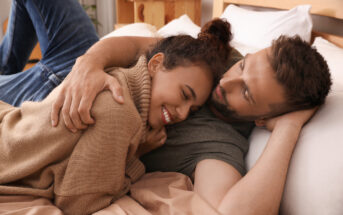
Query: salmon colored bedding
(155,193)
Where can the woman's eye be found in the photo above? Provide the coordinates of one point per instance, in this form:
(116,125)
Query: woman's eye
(194,109)
(185,96)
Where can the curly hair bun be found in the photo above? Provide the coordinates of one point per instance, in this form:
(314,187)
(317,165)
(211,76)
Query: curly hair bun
(211,49)
(218,28)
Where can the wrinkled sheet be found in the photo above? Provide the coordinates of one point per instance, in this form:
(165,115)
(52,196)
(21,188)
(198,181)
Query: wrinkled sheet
(155,193)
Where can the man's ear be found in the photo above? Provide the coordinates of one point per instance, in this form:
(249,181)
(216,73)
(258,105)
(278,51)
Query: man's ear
(155,64)
(260,122)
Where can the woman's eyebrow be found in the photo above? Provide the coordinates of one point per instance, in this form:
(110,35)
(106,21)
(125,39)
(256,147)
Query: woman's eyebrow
(192,92)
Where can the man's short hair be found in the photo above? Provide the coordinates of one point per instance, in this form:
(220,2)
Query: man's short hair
(302,71)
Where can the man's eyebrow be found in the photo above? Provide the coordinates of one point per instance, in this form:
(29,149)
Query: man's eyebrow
(192,91)
(243,61)
(250,95)
(246,86)
(245,58)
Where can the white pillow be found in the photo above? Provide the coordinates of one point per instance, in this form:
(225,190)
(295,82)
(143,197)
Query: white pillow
(135,29)
(334,57)
(181,25)
(314,181)
(243,49)
(258,28)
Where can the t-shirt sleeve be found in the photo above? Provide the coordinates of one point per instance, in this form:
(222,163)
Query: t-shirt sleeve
(201,136)
(184,159)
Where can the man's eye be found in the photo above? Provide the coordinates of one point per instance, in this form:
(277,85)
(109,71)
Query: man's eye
(241,65)
(246,94)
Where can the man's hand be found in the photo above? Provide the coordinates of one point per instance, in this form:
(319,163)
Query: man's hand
(156,137)
(296,118)
(78,92)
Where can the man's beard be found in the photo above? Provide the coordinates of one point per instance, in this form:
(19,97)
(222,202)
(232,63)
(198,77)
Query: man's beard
(224,110)
(229,115)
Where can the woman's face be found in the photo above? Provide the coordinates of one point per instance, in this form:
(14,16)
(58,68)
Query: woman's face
(176,92)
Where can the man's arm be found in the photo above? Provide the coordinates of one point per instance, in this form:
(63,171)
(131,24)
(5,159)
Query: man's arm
(88,78)
(260,190)
(213,178)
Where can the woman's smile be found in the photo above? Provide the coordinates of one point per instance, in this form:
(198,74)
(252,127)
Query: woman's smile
(166,116)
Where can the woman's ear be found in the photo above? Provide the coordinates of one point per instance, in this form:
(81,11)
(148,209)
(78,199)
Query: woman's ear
(155,64)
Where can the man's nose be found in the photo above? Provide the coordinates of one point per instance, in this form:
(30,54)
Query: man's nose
(229,82)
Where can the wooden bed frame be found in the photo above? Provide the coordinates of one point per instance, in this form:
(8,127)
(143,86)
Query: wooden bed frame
(329,8)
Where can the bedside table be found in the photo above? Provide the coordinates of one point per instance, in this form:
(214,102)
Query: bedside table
(156,12)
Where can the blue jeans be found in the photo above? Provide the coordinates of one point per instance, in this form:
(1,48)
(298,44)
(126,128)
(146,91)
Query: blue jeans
(64,32)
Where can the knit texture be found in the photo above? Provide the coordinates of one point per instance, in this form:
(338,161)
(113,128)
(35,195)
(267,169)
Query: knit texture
(81,172)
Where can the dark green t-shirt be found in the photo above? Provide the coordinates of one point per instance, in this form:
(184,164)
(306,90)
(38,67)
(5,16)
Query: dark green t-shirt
(201,136)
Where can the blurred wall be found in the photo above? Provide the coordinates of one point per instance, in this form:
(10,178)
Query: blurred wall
(206,11)
(5,6)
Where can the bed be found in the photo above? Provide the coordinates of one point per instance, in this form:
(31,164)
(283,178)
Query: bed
(314,182)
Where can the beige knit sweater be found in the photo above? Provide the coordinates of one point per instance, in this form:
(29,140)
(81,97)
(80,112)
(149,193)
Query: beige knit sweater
(81,172)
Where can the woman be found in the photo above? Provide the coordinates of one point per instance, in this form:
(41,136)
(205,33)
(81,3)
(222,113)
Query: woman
(86,171)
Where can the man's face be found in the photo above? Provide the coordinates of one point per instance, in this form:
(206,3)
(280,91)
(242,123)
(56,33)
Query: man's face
(248,90)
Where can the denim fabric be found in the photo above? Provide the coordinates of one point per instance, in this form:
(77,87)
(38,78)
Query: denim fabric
(64,32)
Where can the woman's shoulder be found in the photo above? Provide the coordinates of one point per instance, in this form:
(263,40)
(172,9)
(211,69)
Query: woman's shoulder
(106,104)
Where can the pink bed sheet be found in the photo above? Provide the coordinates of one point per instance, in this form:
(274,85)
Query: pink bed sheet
(155,193)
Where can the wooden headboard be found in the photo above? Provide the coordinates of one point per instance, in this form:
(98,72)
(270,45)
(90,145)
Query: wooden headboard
(329,8)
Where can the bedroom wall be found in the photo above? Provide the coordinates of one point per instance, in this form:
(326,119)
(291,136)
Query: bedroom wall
(5,6)
(104,14)
(206,11)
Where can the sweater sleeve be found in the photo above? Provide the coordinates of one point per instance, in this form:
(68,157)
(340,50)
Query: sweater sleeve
(28,144)
(95,174)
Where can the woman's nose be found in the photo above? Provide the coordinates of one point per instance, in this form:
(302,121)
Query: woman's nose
(183,111)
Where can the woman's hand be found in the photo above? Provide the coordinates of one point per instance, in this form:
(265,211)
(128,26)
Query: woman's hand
(296,118)
(156,137)
(78,92)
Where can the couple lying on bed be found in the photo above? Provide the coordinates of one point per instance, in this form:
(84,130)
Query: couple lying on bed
(88,168)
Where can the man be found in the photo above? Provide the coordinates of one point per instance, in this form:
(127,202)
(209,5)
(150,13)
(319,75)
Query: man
(250,90)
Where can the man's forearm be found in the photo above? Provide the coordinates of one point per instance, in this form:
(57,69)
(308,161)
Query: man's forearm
(118,51)
(260,190)
(87,78)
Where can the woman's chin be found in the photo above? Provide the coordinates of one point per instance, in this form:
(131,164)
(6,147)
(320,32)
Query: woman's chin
(154,124)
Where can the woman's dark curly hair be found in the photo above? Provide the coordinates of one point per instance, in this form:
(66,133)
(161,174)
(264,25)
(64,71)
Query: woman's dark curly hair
(211,49)
(301,70)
